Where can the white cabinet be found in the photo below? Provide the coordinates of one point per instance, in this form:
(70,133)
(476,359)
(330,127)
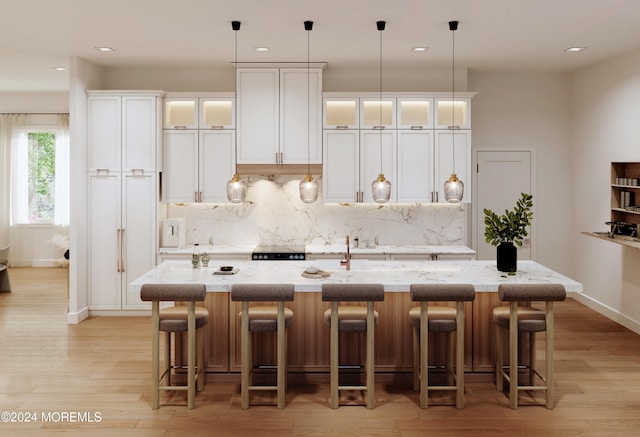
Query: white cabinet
(352,162)
(376,113)
(275,106)
(197,165)
(415,166)
(453,114)
(450,146)
(122,187)
(341,112)
(414,113)
(198,162)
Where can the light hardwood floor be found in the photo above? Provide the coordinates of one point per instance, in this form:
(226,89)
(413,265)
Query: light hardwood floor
(102,366)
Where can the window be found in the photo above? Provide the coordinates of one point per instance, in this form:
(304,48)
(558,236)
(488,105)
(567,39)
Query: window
(40,175)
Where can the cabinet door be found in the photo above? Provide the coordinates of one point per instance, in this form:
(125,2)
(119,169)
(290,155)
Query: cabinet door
(445,152)
(139,133)
(104,248)
(415,166)
(258,114)
(340,179)
(414,113)
(180,113)
(450,114)
(341,112)
(216,164)
(217,113)
(378,114)
(180,175)
(138,232)
(372,144)
(300,119)
(104,132)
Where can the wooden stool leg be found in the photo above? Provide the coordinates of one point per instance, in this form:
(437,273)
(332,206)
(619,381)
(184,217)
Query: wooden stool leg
(246,356)
(450,338)
(369,364)
(532,358)
(424,356)
(191,360)
(281,357)
(200,360)
(333,344)
(499,359)
(513,355)
(460,355)
(167,363)
(155,355)
(416,358)
(549,378)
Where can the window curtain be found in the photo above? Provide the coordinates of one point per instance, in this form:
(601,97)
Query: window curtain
(62,171)
(11,126)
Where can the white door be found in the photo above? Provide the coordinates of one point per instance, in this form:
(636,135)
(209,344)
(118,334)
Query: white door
(501,177)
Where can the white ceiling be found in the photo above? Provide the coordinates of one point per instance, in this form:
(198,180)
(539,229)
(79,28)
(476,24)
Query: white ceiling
(37,35)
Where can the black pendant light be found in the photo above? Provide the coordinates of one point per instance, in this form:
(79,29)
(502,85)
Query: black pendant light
(236,188)
(453,187)
(308,187)
(381,187)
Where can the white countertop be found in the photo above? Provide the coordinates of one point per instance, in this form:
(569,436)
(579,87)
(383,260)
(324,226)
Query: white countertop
(333,249)
(396,276)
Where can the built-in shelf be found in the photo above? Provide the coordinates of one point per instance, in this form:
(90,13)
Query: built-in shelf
(618,239)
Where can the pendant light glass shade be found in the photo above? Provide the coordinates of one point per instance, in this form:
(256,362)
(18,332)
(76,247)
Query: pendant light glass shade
(236,188)
(381,187)
(308,187)
(453,187)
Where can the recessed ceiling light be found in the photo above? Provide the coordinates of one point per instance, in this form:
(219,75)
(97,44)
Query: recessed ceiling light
(420,49)
(61,68)
(575,49)
(263,49)
(104,49)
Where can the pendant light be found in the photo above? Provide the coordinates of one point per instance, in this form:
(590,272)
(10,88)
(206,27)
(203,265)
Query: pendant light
(236,188)
(453,187)
(381,187)
(308,187)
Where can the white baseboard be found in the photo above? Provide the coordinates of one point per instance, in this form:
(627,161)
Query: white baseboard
(75,318)
(606,311)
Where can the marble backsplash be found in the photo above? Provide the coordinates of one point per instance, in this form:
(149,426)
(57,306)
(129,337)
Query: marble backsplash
(274,214)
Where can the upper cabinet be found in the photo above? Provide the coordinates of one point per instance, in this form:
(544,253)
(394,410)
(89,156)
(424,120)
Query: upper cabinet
(341,113)
(376,113)
(414,113)
(203,111)
(453,114)
(279,115)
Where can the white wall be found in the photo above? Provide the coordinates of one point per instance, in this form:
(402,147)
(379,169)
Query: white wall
(530,111)
(21,102)
(605,112)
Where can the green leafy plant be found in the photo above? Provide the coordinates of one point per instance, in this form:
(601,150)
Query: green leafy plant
(512,225)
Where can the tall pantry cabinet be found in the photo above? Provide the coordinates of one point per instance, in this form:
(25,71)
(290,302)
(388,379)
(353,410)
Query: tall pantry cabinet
(122,136)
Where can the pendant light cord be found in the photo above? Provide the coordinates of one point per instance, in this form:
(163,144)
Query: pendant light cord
(235,105)
(453,97)
(381,123)
(308,106)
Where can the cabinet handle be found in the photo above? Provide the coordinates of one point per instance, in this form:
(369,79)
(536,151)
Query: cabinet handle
(137,172)
(179,127)
(453,127)
(437,196)
(379,127)
(102,171)
(217,127)
(122,251)
(342,127)
(118,241)
(200,197)
(416,127)
(195,196)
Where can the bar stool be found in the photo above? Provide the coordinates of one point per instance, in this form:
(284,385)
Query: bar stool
(5,285)
(189,319)
(438,318)
(263,319)
(516,319)
(351,318)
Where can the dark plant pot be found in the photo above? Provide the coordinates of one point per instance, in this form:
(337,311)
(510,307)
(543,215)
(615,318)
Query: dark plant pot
(507,257)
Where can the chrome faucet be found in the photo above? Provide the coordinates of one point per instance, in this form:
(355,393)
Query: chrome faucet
(347,260)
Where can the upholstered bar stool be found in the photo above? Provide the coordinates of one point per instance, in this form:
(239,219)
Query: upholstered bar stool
(5,285)
(351,318)
(516,319)
(439,319)
(190,319)
(263,318)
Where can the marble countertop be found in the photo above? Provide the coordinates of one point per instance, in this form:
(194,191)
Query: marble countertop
(396,276)
(334,249)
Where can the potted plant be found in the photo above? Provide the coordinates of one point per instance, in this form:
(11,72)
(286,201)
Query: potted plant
(508,229)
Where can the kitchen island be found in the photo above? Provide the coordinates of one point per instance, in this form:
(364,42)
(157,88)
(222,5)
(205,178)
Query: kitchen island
(309,336)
